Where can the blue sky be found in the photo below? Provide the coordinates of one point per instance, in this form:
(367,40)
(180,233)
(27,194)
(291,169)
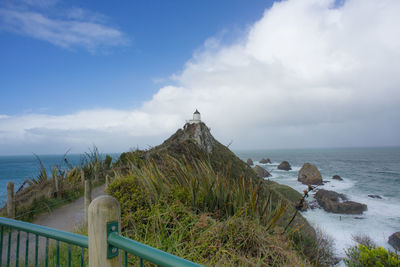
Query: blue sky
(263,74)
(39,76)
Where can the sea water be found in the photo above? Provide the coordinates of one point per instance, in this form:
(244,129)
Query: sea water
(17,169)
(364,171)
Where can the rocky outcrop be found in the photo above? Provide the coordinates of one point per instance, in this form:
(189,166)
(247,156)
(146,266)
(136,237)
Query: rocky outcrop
(284,166)
(198,133)
(337,177)
(309,174)
(375,196)
(261,172)
(394,240)
(265,160)
(334,202)
(249,162)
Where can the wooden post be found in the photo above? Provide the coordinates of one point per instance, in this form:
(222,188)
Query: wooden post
(102,210)
(88,198)
(83,177)
(107,180)
(53,184)
(96,175)
(10,200)
(58,191)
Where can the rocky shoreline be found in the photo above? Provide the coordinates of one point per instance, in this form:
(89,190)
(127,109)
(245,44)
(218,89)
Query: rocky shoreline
(328,200)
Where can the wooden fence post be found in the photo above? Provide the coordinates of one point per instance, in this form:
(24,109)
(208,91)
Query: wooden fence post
(88,198)
(83,177)
(102,210)
(96,174)
(10,200)
(58,191)
(107,180)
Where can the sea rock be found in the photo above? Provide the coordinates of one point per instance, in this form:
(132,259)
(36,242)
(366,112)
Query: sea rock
(284,166)
(265,161)
(334,202)
(375,196)
(337,177)
(261,172)
(249,162)
(394,240)
(313,204)
(309,174)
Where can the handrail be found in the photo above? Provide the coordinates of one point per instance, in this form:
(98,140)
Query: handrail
(151,254)
(71,238)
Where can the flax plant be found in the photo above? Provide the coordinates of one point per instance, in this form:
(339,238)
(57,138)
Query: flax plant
(208,190)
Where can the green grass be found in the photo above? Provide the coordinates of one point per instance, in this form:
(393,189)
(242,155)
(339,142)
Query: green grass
(63,184)
(206,216)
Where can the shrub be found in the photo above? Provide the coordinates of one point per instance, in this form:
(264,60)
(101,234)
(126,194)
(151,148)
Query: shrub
(361,255)
(135,208)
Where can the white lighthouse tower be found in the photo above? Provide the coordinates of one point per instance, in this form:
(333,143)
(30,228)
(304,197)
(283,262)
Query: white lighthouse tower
(196,117)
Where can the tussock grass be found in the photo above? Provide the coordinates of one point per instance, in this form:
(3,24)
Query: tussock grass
(188,209)
(59,185)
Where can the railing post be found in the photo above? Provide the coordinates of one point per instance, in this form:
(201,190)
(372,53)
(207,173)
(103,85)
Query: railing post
(104,209)
(88,198)
(10,200)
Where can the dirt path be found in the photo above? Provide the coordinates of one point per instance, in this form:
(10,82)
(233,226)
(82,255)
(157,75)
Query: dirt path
(67,218)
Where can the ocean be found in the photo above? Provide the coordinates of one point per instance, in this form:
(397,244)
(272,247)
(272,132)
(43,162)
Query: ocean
(17,169)
(364,171)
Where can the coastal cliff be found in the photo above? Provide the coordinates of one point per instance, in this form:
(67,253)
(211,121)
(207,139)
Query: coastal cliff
(203,185)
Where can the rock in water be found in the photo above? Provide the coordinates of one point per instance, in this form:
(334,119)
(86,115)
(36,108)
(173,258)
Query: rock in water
(375,196)
(284,166)
(394,240)
(309,174)
(337,177)
(265,161)
(334,202)
(261,172)
(249,162)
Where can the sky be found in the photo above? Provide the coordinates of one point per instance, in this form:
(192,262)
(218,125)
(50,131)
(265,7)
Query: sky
(263,74)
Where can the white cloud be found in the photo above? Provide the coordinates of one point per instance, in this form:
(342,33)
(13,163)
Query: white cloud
(76,28)
(307,74)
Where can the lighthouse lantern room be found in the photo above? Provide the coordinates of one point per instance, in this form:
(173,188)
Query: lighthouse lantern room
(196,117)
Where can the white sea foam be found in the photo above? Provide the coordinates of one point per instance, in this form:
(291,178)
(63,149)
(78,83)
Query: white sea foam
(378,222)
(364,171)
(336,185)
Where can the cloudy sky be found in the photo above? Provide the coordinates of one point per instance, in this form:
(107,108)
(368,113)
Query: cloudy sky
(263,74)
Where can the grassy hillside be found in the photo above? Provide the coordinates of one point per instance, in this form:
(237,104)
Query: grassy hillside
(191,196)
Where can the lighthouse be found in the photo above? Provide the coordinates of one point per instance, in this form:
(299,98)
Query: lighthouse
(196,117)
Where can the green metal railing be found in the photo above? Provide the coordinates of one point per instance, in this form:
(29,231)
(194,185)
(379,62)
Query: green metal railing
(38,231)
(115,242)
(145,252)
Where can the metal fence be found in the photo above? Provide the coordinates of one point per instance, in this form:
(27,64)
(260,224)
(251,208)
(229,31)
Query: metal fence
(104,243)
(14,227)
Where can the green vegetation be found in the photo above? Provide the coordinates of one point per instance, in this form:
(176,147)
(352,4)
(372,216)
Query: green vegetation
(362,255)
(367,253)
(63,184)
(194,212)
(192,197)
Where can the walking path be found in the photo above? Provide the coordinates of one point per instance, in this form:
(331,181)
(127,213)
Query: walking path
(67,218)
